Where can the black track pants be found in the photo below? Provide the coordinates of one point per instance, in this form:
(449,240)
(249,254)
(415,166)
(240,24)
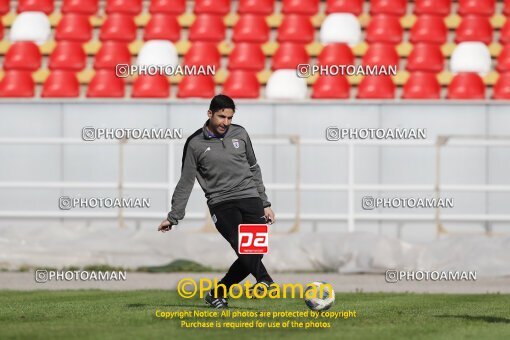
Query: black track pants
(227,217)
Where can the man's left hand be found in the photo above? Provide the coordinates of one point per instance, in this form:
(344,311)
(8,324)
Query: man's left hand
(269,215)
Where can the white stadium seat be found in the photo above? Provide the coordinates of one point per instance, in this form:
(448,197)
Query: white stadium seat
(158,52)
(341,28)
(285,84)
(31,26)
(471,57)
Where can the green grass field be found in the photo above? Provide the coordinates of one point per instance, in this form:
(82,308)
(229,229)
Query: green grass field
(94,314)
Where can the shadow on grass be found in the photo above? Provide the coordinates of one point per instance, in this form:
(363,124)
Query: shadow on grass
(489,319)
(202,306)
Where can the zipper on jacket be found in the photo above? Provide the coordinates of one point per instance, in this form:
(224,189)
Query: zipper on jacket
(222,143)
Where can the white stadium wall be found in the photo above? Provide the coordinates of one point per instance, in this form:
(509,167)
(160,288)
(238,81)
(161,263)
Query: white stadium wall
(320,164)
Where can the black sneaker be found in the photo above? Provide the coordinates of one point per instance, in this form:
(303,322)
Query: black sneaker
(215,302)
(269,285)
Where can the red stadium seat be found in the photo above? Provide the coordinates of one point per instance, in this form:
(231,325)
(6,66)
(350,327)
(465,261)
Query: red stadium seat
(422,85)
(61,84)
(392,7)
(45,6)
(246,56)
(429,29)
(200,86)
(74,27)
(251,28)
(207,28)
(162,27)
(110,54)
(289,56)
(331,87)
(79,6)
(380,54)
(242,84)
(5,7)
(384,29)
(434,7)
(308,7)
(105,84)
(503,64)
(68,55)
(344,6)
(502,87)
(168,6)
(336,54)
(220,7)
(504,34)
(506,7)
(17,84)
(261,7)
(474,28)
(118,27)
(466,86)
(425,57)
(131,7)
(376,87)
(296,28)
(203,53)
(155,86)
(23,55)
(476,7)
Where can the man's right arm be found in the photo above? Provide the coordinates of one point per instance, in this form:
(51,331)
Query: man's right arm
(183,189)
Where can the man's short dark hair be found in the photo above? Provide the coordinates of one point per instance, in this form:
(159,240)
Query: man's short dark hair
(221,102)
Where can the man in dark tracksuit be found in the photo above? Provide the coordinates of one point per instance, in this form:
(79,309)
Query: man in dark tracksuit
(220,155)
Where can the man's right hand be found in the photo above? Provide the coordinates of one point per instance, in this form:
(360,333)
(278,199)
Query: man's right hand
(165,226)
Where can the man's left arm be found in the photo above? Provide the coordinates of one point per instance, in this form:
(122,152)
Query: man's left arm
(257,173)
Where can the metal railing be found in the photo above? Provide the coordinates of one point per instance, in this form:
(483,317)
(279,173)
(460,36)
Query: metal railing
(462,141)
(351,216)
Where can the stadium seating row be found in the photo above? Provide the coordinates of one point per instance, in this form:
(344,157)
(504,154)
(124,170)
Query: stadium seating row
(255,29)
(70,55)
(244,84)
(222,7)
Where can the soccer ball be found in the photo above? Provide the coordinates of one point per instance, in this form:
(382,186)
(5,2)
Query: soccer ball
(319,296)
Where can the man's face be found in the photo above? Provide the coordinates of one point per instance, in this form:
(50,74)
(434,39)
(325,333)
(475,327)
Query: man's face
(219,121)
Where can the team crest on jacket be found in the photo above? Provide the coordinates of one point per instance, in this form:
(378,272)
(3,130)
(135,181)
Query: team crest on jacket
(236,143)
